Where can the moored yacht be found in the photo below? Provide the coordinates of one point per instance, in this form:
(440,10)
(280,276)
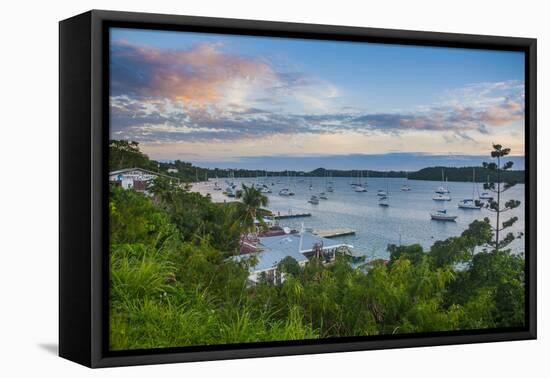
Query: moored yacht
(286,192)
(441,215)
(470,203)
(441,197)
(444,187)
(405,187)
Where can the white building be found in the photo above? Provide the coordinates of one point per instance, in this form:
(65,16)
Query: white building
(272,250)
(172,170)
(135,178)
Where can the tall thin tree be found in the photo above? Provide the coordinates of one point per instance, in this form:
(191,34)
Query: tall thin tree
(497,186)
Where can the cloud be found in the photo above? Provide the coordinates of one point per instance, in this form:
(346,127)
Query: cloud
(206,75)
(197,75)
(145,120)
(205,93)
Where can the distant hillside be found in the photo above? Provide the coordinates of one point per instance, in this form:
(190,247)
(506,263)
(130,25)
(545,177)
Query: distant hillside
(124,154)
(464,174)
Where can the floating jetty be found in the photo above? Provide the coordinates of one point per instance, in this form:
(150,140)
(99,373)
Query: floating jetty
(290,215)
(334,232)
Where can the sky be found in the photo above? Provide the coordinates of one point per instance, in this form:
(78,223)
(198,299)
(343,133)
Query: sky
(270,103)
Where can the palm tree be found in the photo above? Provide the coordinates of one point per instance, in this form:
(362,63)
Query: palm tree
(252,200)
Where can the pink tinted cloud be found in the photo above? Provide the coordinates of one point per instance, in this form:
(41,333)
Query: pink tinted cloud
(197,75)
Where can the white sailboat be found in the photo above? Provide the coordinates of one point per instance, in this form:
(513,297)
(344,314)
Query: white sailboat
(328,187)
(486,195)
(383,199)
(470,203)
(405,187)
(359,188)
(286,191)
(444,187)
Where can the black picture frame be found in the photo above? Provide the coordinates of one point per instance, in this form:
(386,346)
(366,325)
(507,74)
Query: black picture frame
(83,227)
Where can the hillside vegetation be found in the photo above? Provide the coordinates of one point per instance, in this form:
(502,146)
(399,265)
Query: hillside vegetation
(172,284)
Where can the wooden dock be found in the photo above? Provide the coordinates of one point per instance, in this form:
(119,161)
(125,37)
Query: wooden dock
(290,215)
(334,232)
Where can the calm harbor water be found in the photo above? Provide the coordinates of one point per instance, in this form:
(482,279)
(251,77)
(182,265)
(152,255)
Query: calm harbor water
(406,221)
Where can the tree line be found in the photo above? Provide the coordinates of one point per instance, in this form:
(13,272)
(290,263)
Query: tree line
(126,154)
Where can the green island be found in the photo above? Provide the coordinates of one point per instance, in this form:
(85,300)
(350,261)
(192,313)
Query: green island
(173,281)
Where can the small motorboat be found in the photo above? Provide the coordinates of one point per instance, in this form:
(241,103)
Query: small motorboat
(383,201)
(323,196)
(441,197)
(286,192)
(382,193)
(314,200)
(405,188)
(441,215)
(330,189)
(468,204)
(360,188)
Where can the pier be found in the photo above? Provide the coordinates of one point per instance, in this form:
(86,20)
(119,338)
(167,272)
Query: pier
(333,233)
(279,215)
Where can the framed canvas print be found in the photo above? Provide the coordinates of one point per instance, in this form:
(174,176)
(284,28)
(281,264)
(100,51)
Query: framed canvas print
(233,188)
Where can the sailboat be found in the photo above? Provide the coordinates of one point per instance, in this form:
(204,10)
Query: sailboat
(405,187)
(383,199)
(382,192)
(286,191)
(486,195)
(359,188)
(443,189)
(216,186)
(328,187)
(264,188)
(470,203)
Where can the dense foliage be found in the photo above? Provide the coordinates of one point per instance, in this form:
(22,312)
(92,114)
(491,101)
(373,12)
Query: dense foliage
(173,283)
